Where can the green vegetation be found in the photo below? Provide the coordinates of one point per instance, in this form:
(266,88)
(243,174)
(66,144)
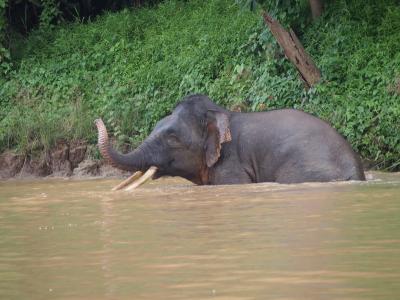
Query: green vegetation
(133,66)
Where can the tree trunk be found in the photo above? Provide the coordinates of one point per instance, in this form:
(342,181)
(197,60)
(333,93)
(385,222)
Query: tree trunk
(316,8)
(294,51)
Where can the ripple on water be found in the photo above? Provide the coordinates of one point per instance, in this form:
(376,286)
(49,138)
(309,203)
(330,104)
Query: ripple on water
(171,240)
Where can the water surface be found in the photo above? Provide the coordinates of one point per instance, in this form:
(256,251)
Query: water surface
(68,239)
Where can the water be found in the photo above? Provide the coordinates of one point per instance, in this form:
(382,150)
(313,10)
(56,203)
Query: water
(66,239)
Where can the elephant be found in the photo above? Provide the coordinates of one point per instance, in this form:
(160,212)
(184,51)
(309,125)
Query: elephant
(209,145)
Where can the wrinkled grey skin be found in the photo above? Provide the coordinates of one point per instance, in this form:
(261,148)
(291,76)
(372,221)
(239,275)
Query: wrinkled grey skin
(207,144)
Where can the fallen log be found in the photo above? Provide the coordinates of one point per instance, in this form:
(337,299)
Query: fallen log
(294,51)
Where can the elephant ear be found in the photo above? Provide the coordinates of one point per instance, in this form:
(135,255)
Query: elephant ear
(218,132)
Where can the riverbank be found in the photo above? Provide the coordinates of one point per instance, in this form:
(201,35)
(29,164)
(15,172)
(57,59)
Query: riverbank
(64,160)
(131,68)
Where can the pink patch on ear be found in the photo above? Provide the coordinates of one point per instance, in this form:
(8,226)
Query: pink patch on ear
(218,133)
(223,127)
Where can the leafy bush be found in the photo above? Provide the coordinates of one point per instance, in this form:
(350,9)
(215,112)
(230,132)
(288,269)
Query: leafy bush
(129,67)
(356,46)
(132,67)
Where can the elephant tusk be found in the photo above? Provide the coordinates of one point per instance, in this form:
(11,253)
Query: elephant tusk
(128,181)
(146,176)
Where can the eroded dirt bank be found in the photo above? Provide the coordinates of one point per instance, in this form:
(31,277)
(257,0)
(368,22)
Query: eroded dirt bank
(64,160)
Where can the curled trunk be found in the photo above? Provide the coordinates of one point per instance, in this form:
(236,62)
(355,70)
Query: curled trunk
(132,161)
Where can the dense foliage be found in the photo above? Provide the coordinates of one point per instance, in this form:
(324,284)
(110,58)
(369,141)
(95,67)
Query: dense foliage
(132,67)
(4,53)
(25,15)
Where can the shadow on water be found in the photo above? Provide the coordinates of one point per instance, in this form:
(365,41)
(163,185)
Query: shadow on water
(69,239)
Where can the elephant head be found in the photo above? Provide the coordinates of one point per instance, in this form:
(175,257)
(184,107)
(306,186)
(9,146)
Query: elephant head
(186,143)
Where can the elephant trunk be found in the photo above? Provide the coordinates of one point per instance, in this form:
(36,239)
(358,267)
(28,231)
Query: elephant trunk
(132,161)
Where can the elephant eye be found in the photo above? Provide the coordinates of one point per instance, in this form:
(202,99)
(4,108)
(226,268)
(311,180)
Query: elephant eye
(173,141)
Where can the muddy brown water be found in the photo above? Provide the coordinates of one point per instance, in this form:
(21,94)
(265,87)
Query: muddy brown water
(67,239)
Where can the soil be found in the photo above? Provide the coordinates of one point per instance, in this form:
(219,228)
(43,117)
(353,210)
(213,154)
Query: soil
(64,160)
